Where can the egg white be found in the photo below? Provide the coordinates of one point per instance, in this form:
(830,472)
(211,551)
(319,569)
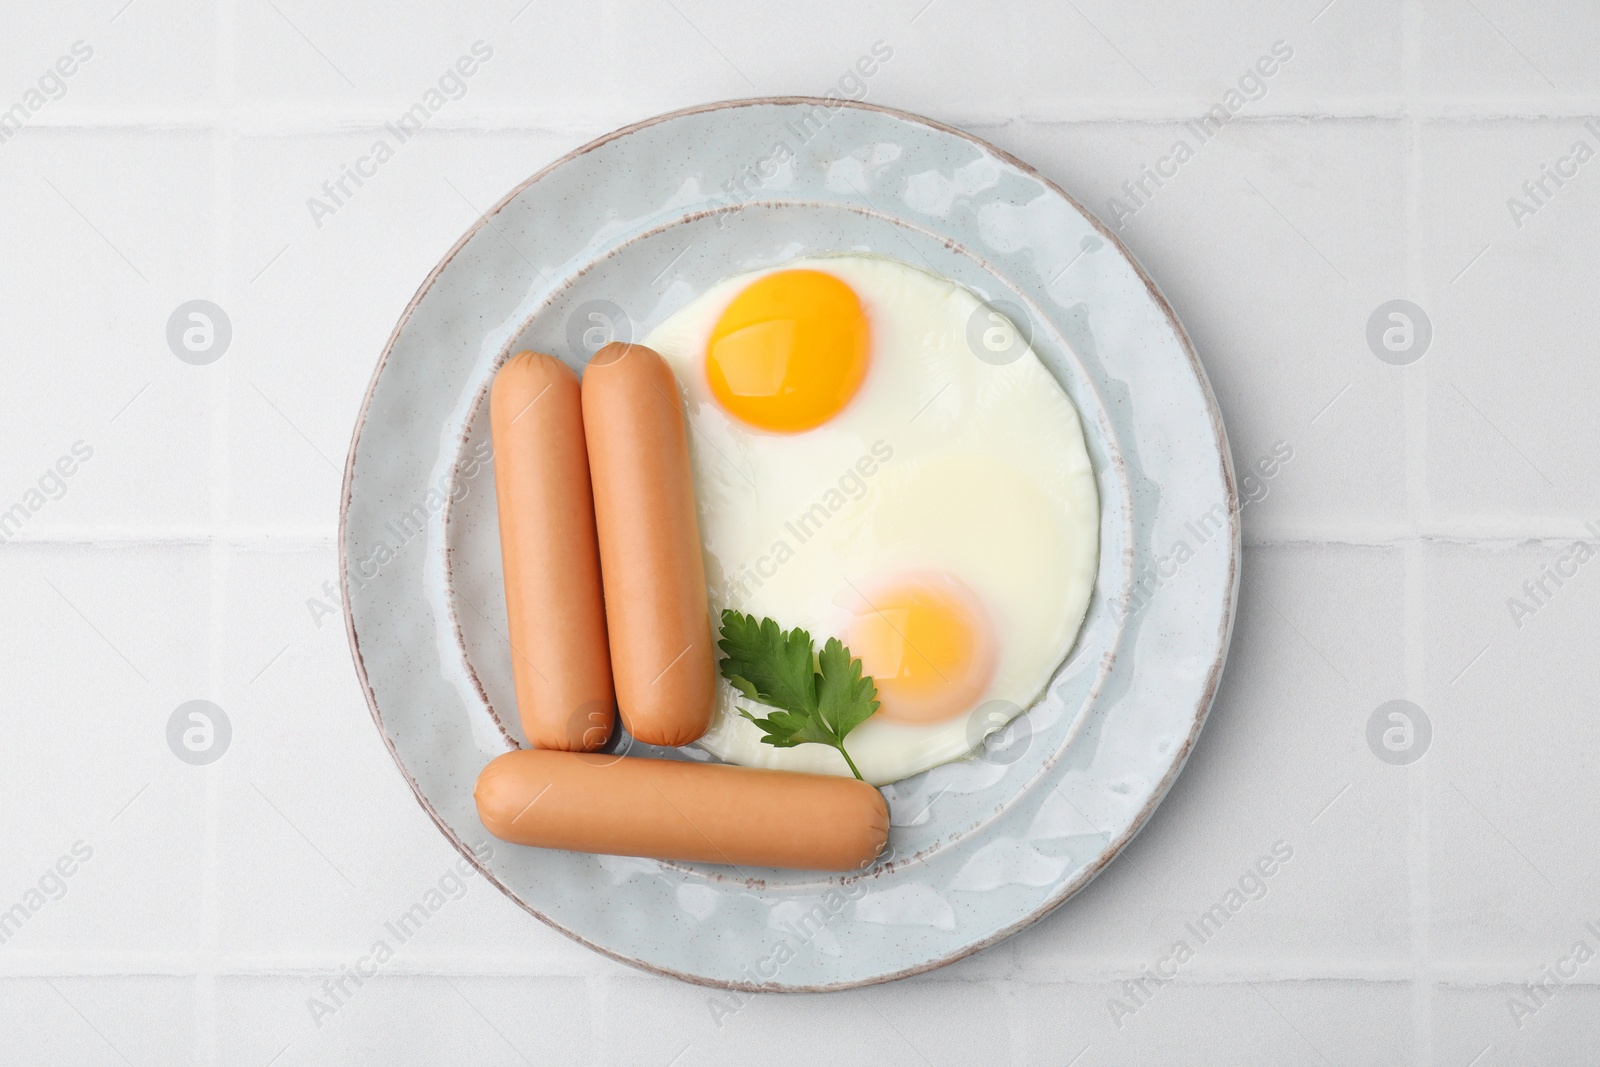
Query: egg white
(940,461)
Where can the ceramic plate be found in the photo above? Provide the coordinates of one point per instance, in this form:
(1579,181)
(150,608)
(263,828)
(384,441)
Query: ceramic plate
(608,242)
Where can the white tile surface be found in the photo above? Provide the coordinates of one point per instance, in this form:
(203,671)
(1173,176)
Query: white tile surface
(1281,1023)
(403,1018)
(1508,429)
(106,233)
(86,756)
(97,1021)
(135,64)
(1488,53)
(1473,1021)
(177,561)
(1509,881)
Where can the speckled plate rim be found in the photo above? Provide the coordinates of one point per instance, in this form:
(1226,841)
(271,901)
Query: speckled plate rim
(1067,889)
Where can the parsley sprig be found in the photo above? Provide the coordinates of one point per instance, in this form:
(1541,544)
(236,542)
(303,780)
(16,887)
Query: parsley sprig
(818,699)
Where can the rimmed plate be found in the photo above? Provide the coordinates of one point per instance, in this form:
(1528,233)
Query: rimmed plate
(607,242)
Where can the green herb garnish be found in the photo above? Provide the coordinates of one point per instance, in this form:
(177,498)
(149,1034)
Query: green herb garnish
(818,699)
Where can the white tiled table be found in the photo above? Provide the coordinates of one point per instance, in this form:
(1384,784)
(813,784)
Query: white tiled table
(178,560)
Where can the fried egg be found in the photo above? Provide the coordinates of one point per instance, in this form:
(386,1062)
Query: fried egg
(861,473)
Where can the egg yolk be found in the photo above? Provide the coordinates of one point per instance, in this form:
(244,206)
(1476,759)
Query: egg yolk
(928,644)
(789,352)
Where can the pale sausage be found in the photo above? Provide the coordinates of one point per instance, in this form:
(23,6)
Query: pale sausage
(560,660)
(677,810)
(655,585)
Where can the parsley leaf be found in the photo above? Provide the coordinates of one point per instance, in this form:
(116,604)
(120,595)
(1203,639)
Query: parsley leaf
(768,665)
(815,701)
(845,700)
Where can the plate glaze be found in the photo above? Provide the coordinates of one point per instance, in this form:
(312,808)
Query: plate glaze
(605,244)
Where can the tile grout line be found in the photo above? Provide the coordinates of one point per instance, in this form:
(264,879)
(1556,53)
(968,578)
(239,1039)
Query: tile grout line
(1560,530)
(1414,594)
(207,1036)
(302,120)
